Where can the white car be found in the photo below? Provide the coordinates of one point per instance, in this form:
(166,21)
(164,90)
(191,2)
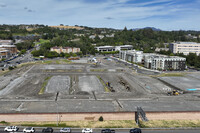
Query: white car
(65,130)
(87,130)
(29,130)
(11,129)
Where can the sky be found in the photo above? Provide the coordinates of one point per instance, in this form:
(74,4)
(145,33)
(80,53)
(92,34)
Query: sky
(162,14)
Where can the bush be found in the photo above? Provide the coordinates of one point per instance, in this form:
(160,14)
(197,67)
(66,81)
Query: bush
(10,68)
(100,118)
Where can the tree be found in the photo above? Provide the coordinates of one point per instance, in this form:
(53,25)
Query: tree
(101,118)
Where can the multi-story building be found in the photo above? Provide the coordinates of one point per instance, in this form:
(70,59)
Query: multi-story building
(154,61)
(4,53)
(11,48)
(162,62)
(131,56)
(65,50)
(185,47)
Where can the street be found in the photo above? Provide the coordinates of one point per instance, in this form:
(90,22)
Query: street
(117,131)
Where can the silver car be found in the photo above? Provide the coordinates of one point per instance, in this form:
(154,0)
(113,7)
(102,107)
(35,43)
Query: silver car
(65,130)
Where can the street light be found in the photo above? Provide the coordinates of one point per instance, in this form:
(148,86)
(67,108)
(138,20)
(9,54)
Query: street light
(57,113)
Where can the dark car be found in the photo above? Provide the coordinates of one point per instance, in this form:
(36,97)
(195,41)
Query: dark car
(107,131)
(47,130)
(136,130)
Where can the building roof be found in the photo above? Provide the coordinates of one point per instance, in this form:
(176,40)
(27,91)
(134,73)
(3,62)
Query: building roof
(10,46)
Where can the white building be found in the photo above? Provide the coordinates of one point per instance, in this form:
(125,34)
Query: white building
(6,42)
(131,56)
(105,48)
(185,47)
(154,61)
(163,62)
(123,47)
(113,48)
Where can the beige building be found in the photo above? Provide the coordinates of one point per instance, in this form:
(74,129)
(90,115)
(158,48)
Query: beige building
(4,53)
(11,48)
(185,47)
(65,50)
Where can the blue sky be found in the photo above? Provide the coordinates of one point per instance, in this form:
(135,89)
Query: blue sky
(163,14)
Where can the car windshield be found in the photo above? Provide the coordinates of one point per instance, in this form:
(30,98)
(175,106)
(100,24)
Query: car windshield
(28,128)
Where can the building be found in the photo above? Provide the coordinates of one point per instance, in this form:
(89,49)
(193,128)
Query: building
(113,48)
(154,61)
(163,62)
(161,49)
(4,53)
(11,48)
(6,42)
(65,49)
(105,48)
(131,56)
(123,47)
(185,47)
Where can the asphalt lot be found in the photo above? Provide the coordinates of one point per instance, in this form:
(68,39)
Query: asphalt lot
(81,90)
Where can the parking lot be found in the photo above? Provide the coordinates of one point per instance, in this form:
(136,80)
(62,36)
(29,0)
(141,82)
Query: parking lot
(83,87)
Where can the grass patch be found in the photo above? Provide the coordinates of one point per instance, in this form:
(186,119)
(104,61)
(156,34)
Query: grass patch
(97,70)
(171,75)
(44,85)
(113,124)
(103,83)
(82,124)
(4,123)
(62,61)
(170,123)
(42,41)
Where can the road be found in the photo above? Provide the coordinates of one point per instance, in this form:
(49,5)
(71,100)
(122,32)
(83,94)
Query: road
(117,131)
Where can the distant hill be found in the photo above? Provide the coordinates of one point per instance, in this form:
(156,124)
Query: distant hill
(153,28)
(68,27)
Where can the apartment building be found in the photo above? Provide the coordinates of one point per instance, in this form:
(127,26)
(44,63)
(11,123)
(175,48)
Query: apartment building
(185,47)
(65,49)
(162,62)
(131,56)
(11,48)
(154,61)
(4,53)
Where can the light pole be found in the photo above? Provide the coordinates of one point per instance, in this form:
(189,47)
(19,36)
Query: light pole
(57,113)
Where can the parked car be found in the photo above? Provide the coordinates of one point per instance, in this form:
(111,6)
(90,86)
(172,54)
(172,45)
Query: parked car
(136,130)
(47,130)
(107,131)
(65,130)
(11,129)
(29,130)
(87,130)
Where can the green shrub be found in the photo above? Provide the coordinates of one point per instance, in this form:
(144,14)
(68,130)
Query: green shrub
(100,118)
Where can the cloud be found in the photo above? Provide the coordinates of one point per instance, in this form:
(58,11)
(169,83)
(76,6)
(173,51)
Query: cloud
(164,14)
(109,18)
(29,10)
(3,5)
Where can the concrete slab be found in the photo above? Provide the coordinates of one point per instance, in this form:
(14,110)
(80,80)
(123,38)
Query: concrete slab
(90,83)
(58,84)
